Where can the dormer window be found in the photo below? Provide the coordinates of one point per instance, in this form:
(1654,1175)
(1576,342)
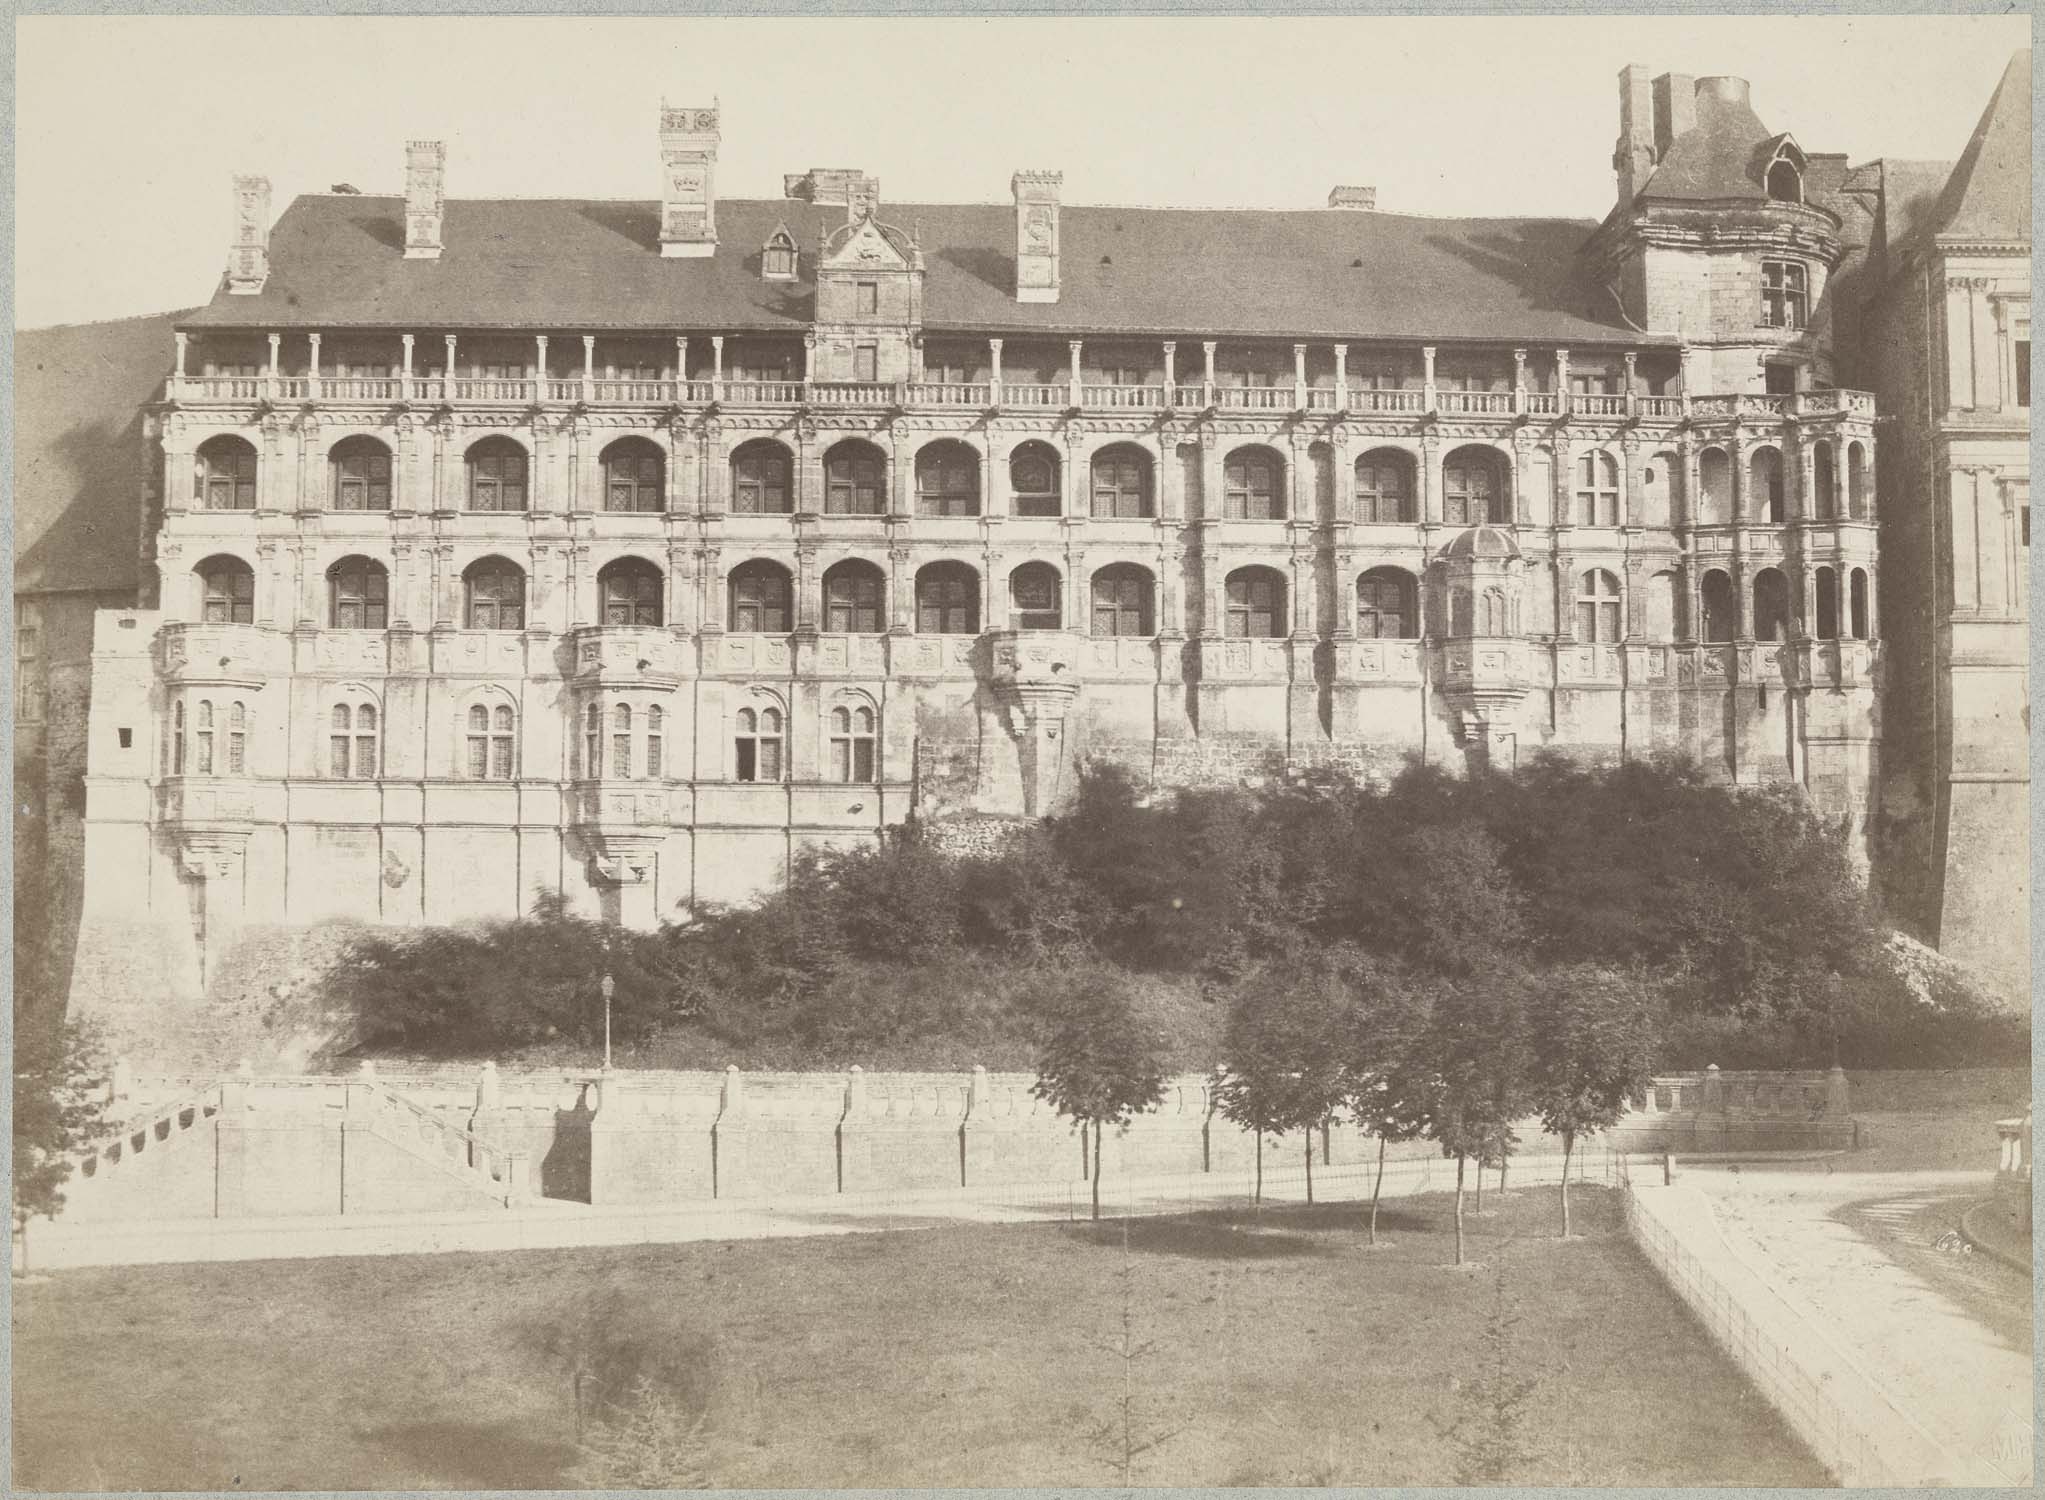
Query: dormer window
(777,257)
(1785,183)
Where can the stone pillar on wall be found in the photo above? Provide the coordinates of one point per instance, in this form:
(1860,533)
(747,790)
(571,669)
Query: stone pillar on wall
(1429,476)
(715,471)
(710,592)
(994,455)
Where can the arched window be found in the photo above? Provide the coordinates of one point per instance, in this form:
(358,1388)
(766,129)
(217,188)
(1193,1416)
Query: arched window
(1122,595)
(202,738)
(1715,475)
(1857,603)
(494,591)
(948,600)
(1492,614)
(1765,492)
(1033,480)
(621,741)
(237,738)
(177,738)
(1771,605)
(635,476)
(1824,498)
(1252,482)
(1597,607)
(224,475)
(358,595)
(1856,481)
(1826,585)
(1121,483)
(656,743)
(947,480)
(492,736)
(852,743)
(1386,606)
(855,480)
(777,257)
(1785,183)
(227,591)
(759,479)
(853,591)
(760,599)
(497,475)
(351,741)
(1597,489)
(1384,486)
(1035,598)
(631,589)
(1721,609)
(1471,491)
(593,741)
(757,744)
(1255,604)
(359,475)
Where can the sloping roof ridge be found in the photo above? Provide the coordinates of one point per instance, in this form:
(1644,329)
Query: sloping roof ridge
(1960,200)
(168,312)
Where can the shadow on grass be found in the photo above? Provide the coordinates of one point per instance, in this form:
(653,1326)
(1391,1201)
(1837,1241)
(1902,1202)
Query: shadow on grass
(473,1455)
(1201,1237)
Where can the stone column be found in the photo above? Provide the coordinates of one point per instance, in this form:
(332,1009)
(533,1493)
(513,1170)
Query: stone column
(448,340)
(1299,377)
(1632,361)
(994,385)
(405,389)
(717,363)
(682,366)
(710,592)
(1207,349)
(994,455)
(1429,476)
(1563,403)
(901,593)
(1427,374)
(1519,381)
(540,368)
(180,339)
(1072,379)
(1171,349)
(589,370)
(807,590)
(1341,377)
(679,607)
(809,357)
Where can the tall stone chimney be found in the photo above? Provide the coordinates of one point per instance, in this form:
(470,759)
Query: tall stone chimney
(1036,234)
(425,206)
(1675,109)
(1363,199)
(248,258)
(1633,158)
(688,181)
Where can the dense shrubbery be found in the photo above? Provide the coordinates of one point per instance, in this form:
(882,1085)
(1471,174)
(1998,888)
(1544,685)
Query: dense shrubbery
(1735,911)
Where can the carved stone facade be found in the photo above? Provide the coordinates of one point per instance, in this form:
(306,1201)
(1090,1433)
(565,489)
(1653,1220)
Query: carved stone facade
(639,614)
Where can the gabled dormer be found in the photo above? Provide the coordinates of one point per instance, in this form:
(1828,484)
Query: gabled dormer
(777,256)
(1782,169)
(869,302)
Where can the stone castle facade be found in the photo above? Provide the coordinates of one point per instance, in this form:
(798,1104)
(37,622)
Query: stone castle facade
(628,549)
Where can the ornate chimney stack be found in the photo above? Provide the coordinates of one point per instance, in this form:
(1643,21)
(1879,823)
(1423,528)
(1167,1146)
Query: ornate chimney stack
(688,181)
(425,177)
(1036,234)
(1633,158)
(248,259)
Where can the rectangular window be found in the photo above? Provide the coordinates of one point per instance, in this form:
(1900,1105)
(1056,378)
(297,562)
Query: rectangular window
(654,769)
(2024,370)
(337,755)
(621,755)
(866,363)
(862,760)
(1784,294)
(770,760)
(748,766)
(868,304)
(478,757)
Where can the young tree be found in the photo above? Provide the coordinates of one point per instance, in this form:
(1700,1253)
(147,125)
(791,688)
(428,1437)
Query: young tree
(1099,1065)
(1472,1062)
(1592,1044)
(1391,1011)
(1283,1059)
(59,1105)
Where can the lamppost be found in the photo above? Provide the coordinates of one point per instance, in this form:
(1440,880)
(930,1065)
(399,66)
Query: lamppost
(609,987)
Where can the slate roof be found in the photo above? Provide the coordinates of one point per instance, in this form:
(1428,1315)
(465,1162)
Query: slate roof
(79,452)
(338,261)
(1722,158)
(1989,194)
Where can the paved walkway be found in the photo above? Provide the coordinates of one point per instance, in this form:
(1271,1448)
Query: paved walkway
(1964,1383)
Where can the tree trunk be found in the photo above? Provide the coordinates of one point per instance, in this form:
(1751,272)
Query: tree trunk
(1459,1207)
(1376,1188)
(1568,1143)
(1097,1171)
(1310,1166)
(1480,1183)
(1503,1162)
(1259,1199)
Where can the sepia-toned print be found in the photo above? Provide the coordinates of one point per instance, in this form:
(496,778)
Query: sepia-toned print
(1289,753)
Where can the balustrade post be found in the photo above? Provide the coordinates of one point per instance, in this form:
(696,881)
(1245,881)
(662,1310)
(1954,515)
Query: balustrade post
(1714,1091)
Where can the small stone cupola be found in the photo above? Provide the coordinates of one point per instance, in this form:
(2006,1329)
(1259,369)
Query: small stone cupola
(688,181)
(425,199)
(1036,234)
(248,257)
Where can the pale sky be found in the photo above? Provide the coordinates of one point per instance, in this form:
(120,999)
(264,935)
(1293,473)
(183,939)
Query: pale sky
(129,128)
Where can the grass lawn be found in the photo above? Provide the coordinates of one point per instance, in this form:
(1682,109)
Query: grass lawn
(1281,1350)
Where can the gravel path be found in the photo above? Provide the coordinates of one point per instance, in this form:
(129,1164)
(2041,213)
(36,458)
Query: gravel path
(1967,1384)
